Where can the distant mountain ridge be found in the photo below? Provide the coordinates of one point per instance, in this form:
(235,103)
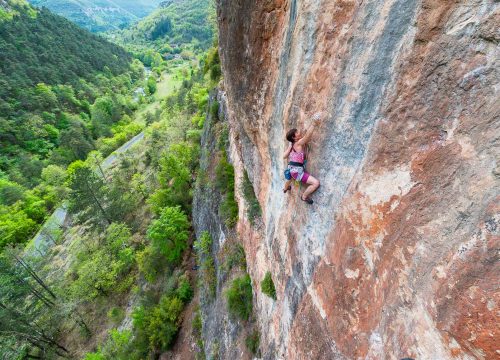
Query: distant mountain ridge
(100,15)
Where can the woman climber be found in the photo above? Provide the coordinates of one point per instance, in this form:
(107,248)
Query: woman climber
(296,158)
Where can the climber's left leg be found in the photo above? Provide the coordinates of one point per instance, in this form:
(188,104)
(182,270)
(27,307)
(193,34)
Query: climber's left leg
(313,186)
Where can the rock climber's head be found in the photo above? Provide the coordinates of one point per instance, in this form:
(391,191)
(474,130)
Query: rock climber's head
(293,135)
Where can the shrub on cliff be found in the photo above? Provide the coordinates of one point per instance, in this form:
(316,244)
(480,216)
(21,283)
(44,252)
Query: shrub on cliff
(233,255)
(253,210)
(225,183)
(252,342)
(267,286)
(214,110)
(197,326)
(212,64)
(206,263)
(239,297)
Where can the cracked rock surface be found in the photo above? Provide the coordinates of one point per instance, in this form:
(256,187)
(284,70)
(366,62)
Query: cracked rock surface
(398,256)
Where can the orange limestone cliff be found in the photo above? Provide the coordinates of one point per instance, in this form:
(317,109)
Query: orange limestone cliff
(399,255)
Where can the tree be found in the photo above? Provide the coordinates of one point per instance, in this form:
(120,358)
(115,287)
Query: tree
(139,184)
(76,140)
(15,227)
(101,114)
(10,192)
(103,269)
(54,175)
(88,193)
(161,28)
(151,84)
(27,306)
(169,233)
(164,322)
(176,166)
(95,160)
(45,97)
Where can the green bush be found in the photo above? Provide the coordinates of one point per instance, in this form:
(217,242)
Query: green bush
(223,137)
(116,347)
(151,85)
(203,245)
(104,270)
(267,286)
(225,183)
(157,326)
(253,211)
(116,315)
(197,322)
(214,110)
(164,322)
(234,255)
(169,234)
(184,290)
(215,72)
(205,260)
(94,356)
(151,264)
(239,297)
(177,166)
(252,342)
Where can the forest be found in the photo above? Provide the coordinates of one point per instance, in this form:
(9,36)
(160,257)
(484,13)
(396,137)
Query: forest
(126,226)
(171,28)
(63,92)
(100,15)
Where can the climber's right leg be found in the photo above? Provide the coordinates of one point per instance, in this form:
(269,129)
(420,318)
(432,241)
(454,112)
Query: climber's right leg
(313,186)
(288,186)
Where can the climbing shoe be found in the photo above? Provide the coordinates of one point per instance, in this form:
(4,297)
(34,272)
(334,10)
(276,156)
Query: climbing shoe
(287,189)
(307,200)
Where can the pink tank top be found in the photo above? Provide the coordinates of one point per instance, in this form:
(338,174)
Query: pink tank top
(296,156)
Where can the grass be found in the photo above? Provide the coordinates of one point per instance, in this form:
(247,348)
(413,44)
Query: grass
(167,85)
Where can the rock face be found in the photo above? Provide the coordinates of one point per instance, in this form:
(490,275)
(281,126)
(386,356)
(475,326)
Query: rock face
(217,328)
(398,257)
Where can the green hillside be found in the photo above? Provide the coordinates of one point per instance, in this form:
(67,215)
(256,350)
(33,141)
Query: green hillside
(98,163)
(175,23)
(62,89)
(100,15)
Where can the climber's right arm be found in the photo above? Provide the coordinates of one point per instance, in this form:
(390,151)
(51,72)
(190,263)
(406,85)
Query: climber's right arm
(307,137)
(287,152)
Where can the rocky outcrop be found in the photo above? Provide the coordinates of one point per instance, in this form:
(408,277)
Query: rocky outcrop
(223,335)
(399,254)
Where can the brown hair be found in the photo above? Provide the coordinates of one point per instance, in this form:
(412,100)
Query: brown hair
(290,135)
